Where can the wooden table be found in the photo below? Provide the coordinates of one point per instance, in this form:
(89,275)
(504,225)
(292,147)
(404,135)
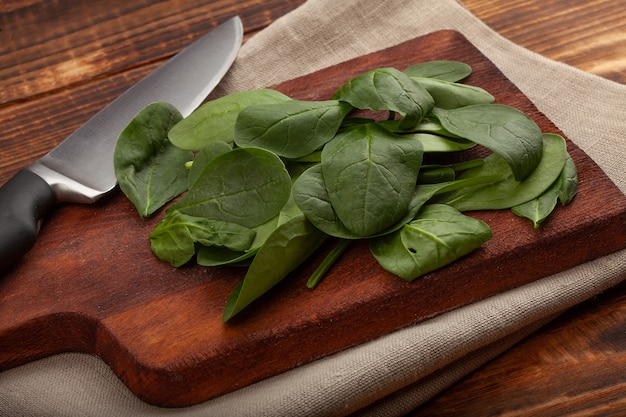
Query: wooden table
(575,364)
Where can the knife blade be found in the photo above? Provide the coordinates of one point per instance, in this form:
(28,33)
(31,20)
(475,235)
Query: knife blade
(80,169)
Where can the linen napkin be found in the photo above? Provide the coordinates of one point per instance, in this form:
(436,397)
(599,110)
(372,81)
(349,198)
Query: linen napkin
(395,373)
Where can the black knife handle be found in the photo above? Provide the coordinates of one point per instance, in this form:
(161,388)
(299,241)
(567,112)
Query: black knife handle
(24,200)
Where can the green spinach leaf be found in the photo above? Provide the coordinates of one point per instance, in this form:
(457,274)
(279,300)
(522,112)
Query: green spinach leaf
(438,236)
(510,192)
(449,95)
(206,155)
(217,255)
(568,181)
(283,251)
(503,129)
(292,129)
(539,209)
(214,121)
(428,125)
(563,189)
(435,143)
(436,175)
(149,169)
(390,90)
(173,239)
(452,71)
(370,175)
(243,186)
(310,194)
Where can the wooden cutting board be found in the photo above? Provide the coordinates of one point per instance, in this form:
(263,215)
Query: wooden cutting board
(92,285)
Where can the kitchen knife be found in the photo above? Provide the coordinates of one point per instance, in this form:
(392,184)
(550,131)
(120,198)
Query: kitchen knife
(80,169)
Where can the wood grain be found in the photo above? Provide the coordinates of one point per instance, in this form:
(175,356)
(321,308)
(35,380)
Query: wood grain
(590,35)
(50,46)
(99,289)
(574,366)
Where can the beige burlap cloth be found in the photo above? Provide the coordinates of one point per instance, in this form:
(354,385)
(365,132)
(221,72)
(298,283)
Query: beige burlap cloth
(395,373)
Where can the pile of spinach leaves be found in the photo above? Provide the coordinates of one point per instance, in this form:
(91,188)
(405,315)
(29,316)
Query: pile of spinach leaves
(265,179)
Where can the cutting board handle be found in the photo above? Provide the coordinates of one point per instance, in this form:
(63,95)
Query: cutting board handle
(24,200)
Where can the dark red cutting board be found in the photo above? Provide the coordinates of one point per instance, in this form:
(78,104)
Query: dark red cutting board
(92,285)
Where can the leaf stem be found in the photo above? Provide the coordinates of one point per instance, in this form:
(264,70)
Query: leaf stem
(473,163)
(328,262)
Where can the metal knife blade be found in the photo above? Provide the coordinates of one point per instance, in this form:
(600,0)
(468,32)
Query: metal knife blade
(80,169)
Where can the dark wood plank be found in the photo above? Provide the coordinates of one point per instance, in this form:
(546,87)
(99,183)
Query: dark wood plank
(98,288)
(575,365)
(50,46)
(585,34)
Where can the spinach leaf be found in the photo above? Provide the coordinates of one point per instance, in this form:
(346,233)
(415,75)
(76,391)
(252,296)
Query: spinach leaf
(509,192)
(283,251)
(563,189)
(330,259)
(390,90)
(292,129)
(457,166)
(149,169)
(310,194)
(370,175)
(433,126)
(449,95)
(434,137)
(428,126)
(425,192)
(206,155)
(214,121)
(438,236)
(436,143)
(312,158)
(173,239)
(503,129)
(217,255)
(243,186)
(451,71)
(539,209)
(435,175)
(568,181)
